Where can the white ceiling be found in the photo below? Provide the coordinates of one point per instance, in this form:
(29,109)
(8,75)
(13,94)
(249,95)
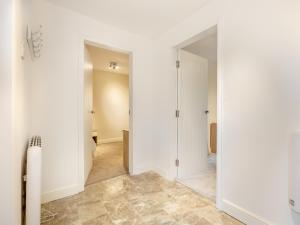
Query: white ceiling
(206,47)
(146,17)
(101,59)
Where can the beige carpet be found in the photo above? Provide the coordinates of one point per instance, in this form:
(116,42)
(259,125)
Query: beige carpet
(107,163)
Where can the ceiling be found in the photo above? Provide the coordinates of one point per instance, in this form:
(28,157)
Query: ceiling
(205,47)
(101,59)
(145,17)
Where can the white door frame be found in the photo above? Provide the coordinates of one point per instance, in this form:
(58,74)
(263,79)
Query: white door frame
(91,41)
(213,28)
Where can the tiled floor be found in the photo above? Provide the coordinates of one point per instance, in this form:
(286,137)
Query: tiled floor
(146,199)
(107,163)
(205,182)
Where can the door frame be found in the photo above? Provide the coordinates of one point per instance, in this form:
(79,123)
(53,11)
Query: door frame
(216,27)
(90,41)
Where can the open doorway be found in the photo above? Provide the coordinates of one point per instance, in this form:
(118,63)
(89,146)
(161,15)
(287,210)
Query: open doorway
(107,104)
(197,116)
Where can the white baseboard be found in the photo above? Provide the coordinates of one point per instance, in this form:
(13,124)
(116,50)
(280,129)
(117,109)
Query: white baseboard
(228,207)
(110,140)
(243,215)
(141,169)
(60,193)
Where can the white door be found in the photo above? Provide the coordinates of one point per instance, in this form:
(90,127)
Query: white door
(192,121)
(89,144)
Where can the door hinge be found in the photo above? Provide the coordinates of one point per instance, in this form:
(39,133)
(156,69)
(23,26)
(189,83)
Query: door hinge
(177,162)
(177,113)
(177,64)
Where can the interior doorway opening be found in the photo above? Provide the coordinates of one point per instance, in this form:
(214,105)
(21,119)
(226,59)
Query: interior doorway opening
(106,113)
(197,120)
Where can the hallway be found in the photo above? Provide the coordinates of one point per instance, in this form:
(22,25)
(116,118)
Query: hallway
(107,162)
(145,199)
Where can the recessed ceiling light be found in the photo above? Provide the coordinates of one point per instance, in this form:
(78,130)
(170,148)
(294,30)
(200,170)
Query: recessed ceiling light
(113,65)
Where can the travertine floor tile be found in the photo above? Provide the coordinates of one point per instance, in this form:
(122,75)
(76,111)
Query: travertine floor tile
(107,162)
(146,199)
(101,220)
(91,210)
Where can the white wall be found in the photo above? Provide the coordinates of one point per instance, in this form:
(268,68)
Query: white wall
(259,48)
(6,161)
(56,81)
(164,81)
(21,108)
(111,104)
(13,98)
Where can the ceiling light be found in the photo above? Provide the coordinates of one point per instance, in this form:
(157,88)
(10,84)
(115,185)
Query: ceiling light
(113,65)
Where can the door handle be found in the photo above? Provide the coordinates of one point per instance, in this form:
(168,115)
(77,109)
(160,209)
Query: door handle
(92,111)
(206,112)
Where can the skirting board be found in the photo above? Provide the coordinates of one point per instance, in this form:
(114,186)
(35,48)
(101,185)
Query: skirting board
(110,140)
(141,169)
(60,193)
(229,207)
(242,214)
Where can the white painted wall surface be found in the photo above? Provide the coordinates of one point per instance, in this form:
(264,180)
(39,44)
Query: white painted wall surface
(21,102)
(259,49)
(56,100)
(14,110)
(111,105)
(6,158)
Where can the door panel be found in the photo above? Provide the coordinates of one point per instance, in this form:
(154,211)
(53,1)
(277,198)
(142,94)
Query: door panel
(89,144)
(192,122)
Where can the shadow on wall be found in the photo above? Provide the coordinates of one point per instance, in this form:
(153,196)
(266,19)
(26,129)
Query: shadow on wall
(296,217)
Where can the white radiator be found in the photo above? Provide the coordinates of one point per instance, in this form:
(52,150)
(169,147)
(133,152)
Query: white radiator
(33,181)
(294,172)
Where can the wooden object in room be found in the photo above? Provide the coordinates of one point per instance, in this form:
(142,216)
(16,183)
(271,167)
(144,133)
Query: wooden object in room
(126,149)
(213,137)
